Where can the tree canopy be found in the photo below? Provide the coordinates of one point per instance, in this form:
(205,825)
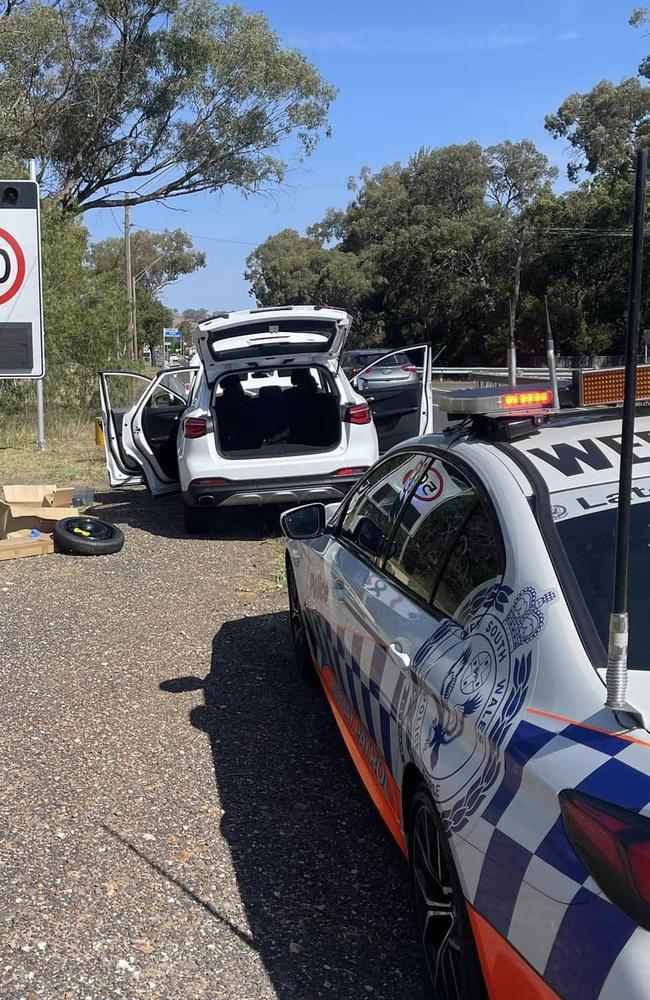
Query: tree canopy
(157,259)
(459,241)
(422,248)
(131,101)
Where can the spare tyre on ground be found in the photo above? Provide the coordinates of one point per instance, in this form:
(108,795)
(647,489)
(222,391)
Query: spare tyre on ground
(87,536)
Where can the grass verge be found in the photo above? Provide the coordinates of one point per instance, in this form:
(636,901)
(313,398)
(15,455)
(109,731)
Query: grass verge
(71,457)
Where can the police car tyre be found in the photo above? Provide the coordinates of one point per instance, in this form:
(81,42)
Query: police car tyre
(301,650)
(195,520)
(451,967)
(87,536)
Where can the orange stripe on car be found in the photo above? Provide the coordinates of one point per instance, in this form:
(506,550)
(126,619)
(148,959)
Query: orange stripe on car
(585,725)
(367,758)
(507,975)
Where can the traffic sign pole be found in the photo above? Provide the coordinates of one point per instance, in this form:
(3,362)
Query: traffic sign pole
(21,293)
(40,395)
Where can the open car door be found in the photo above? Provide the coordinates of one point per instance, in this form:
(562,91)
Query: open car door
(140,439)
(118,391)
(400,411)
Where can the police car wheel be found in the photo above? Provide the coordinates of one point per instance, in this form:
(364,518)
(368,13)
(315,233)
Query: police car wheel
(298,632)
(451,966)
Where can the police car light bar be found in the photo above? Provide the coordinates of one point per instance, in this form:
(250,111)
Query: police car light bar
(501,401)
(599,386)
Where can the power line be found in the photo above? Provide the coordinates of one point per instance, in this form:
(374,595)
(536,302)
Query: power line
(194,236)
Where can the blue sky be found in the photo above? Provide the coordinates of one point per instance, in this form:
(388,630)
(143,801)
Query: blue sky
(410,74)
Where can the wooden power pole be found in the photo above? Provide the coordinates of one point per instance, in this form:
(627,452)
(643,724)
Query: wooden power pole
(132,350)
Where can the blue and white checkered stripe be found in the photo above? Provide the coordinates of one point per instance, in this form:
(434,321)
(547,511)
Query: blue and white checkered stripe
(516,864)
(521,873)
(360,665)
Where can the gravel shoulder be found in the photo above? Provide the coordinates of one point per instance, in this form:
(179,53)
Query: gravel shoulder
(178,816)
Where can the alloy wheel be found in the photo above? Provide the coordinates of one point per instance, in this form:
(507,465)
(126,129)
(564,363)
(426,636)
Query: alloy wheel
(435,907)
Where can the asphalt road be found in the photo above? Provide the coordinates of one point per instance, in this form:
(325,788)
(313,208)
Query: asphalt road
(178,817)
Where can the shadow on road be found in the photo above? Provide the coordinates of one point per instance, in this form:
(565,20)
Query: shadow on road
(164,516)
(325,889)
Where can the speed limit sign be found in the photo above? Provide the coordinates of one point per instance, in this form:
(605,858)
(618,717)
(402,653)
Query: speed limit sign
(21,305)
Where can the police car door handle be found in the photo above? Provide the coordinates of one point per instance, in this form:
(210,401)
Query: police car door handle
(339,590)
(401,658)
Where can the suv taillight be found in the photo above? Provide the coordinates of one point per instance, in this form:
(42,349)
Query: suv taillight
(195,427)
(352,470)
(614,845)
(409,368)
(358,414)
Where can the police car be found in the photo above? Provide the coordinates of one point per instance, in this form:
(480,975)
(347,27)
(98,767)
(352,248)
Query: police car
(455,609)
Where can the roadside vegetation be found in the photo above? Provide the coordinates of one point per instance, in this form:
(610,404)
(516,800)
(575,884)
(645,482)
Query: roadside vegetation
(443,247)
(71,457)
(124,103)
(123,106)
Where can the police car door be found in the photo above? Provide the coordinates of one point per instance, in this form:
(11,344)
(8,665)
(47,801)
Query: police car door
(349,642)
(437,679)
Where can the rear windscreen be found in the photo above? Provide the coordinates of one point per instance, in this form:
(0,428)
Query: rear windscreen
(326,328)
(589,539)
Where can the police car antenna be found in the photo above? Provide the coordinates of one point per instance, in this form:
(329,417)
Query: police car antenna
(550,356)
(617,650)
(512,347)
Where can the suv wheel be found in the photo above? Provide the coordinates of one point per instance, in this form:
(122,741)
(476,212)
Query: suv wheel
(451,967)
(195,520)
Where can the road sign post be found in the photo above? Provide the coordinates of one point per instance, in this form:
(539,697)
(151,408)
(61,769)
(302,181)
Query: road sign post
(22,352)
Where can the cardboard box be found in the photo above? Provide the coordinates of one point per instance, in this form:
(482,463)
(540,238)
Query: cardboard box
(27,507)
(21,543)
(59,498)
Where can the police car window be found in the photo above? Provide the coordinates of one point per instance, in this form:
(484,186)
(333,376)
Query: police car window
(475,558)
(586,524)
(430,521)
(371,512)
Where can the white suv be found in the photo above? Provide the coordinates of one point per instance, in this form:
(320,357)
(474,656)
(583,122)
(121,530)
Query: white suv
(268,416)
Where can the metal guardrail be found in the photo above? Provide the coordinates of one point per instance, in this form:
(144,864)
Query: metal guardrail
(500,376)
(493,372)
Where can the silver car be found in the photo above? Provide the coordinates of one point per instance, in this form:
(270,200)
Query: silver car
(372,367)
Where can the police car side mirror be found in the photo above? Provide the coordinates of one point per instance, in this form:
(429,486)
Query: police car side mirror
(301,523)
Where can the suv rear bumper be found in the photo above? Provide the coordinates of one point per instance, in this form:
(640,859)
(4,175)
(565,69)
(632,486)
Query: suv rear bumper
(253,492)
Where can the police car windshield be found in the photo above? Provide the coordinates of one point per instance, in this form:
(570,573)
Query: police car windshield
(589,541)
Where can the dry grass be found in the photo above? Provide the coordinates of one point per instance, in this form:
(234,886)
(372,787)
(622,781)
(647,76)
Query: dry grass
(71,457)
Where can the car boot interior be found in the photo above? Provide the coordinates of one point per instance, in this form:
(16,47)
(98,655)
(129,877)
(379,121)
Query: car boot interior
(298,412)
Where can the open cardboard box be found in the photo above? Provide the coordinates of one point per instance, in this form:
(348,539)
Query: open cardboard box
(25,508)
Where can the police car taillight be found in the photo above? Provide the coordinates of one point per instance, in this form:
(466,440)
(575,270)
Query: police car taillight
(501,401)
(614,845)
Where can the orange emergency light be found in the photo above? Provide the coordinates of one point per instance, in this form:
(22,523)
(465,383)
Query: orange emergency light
(600,386)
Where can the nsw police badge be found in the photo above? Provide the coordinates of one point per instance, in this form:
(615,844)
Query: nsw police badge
(471,685)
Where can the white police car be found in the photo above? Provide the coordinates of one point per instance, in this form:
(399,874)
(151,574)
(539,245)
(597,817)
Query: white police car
(455,608)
